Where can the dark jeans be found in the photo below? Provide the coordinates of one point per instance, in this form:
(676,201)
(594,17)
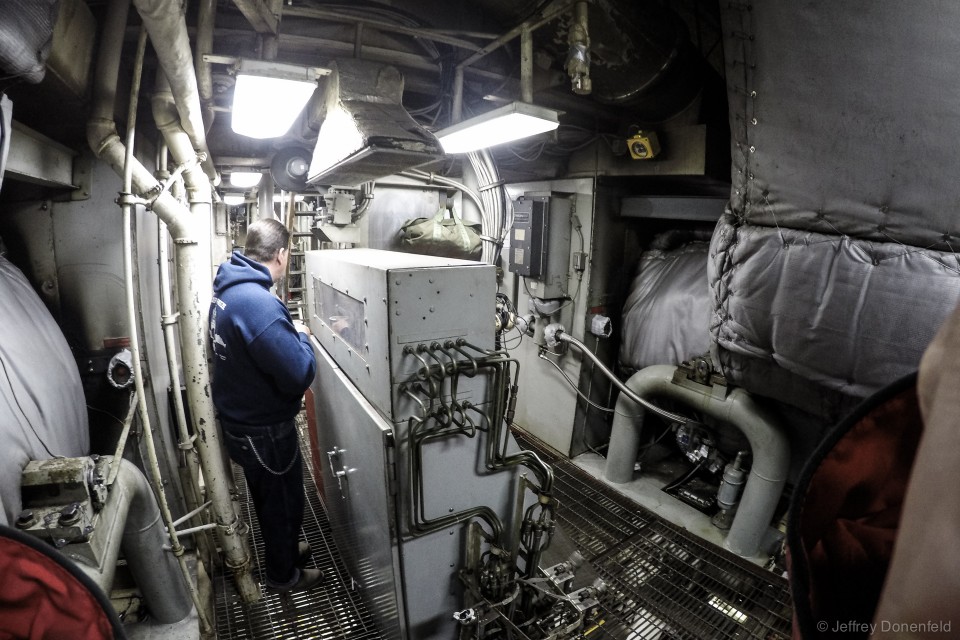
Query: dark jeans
(276,487)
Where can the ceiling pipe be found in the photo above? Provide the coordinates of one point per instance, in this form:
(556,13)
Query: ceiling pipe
(167,27)
(193,287)
(206,17)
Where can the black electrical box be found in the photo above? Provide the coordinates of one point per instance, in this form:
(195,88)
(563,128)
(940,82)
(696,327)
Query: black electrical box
(530,228)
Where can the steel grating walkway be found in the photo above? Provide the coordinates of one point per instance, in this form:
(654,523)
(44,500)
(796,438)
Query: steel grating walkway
(663,583)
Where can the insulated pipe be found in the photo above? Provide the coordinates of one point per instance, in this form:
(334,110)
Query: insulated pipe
(206,15)
(768,443)
(165,22)
(193,286)
(130,520)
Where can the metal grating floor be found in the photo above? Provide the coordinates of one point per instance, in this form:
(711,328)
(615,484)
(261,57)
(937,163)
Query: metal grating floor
(663,583)
(332,610)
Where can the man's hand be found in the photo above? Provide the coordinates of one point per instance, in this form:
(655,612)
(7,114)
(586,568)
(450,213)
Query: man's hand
(301,327)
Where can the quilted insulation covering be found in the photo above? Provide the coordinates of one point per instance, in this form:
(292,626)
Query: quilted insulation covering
(42,408)
(667,311)
(835,263)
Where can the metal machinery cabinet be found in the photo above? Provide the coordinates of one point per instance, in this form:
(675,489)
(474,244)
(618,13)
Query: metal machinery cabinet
(367,309)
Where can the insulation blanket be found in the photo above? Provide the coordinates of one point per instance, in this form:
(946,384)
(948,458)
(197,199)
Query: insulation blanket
(829,311)
(835,264)
(42,407)
(667,311)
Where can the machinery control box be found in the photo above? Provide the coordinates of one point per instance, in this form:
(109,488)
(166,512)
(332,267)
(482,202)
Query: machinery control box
(540,244)
(366,306)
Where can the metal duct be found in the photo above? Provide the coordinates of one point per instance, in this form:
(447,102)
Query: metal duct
(768,443)
(366,133)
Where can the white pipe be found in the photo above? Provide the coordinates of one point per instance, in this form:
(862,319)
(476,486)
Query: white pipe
(193,285)
(165,22)
(152,460)
(206,16)
(768,443)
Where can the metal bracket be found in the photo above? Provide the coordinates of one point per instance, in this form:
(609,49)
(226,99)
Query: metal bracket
(698,373)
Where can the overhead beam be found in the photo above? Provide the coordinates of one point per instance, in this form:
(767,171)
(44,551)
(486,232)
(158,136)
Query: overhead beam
(263,15)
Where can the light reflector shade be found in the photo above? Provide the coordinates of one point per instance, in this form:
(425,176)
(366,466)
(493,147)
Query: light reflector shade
(505,124)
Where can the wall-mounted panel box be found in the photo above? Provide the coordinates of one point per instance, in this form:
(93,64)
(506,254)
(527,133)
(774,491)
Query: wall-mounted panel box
(540,244)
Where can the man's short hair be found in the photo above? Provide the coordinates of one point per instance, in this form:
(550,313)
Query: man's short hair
(265,238)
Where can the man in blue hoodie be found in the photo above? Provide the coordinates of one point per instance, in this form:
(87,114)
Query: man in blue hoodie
(262,366)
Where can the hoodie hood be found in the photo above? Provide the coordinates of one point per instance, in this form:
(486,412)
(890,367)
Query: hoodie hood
(240,269)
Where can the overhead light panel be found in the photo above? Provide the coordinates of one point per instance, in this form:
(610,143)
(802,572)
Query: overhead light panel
(233,200)
(245,179)
(514,121)
(268,96)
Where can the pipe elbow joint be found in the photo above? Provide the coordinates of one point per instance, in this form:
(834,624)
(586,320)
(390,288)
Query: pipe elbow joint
(100,134)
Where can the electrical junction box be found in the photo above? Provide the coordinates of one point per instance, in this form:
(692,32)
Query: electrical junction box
(540,244)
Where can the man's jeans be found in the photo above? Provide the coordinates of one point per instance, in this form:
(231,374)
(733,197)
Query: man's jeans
(272,465)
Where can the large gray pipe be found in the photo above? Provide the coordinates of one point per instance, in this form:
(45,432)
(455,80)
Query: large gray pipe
(130,520)
(768,443)
(193,289)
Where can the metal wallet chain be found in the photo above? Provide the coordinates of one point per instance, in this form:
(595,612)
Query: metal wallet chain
(296,454)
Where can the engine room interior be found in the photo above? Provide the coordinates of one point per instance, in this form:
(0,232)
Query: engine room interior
(617,309)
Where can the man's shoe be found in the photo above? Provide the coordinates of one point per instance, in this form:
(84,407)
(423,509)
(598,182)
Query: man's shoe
(308,579)
(303,554)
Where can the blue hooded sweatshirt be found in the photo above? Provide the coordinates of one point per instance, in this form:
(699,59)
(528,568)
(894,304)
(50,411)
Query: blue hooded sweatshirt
(261,364)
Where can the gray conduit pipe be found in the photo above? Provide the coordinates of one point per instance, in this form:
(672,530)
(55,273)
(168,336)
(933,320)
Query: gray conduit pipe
(131,520)
(768,443)
(193,287)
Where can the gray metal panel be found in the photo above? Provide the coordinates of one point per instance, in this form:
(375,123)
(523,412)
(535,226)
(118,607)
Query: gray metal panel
(359,503)
(455,478)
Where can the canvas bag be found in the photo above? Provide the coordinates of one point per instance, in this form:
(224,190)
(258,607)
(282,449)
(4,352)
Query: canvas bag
(441,236)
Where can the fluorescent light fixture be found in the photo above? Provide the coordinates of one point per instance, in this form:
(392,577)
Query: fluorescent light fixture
(245,179)
(233,199)
(268,96)
(505,124)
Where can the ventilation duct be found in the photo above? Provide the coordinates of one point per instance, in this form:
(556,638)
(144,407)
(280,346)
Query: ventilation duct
(366,133)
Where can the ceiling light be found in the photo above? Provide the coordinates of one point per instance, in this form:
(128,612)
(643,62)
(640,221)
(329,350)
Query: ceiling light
(233,199)
(505,124)
(245,179)
(268,96)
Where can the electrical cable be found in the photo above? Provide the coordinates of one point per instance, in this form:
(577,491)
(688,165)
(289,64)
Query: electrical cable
(566,377)
(106,413)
